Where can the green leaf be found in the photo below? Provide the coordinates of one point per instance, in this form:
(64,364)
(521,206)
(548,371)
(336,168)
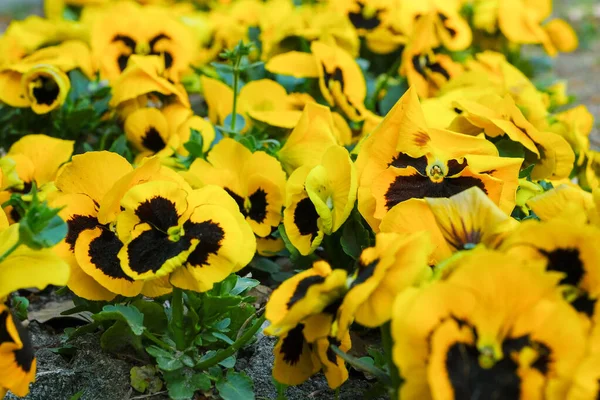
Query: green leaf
(40,226)
(155,318)
(223,324)
(77,395)
(242,285)
(129,314)
(169,363)
(156,351)
(145,379)
(526,173)
(184,383)
(355,237)
(236,386)
(229,362)
(223,337)
(509,148)
(116,338)
(120,147)
(195,145)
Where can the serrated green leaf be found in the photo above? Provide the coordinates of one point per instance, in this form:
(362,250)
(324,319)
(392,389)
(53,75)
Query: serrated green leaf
(184,383)
(236,386)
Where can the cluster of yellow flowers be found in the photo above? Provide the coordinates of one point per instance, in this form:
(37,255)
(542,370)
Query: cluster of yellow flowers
(480,303)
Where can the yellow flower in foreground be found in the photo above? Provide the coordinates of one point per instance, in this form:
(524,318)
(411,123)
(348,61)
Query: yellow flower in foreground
(313,135)
(26,268)
(304,295)
(91,187)
(393,264)
(17,362)
(496,327)
(319,199)
(568,248)
(404,158)
(196,237)
(255,181)
(460,222)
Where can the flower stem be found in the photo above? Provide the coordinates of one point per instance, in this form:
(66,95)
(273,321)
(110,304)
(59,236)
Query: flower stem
(9,251)
(386,339)
(236,79)
(231,350)
(361,366)
(150,336)
(382,83)
(177,315)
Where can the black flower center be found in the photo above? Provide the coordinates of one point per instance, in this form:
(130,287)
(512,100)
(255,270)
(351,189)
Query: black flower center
(153,141)
(419,187)
(159,212)
(45,90)
(210,235)
(292,345)
(566,261)
(103,252)
(302,288)
(306,217)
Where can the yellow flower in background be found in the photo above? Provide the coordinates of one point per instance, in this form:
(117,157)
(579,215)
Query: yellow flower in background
(520,21)
(393,264)
(196,238)
(164,132)
(39,80)
(460,222)
(575,125)
(319,199)
(125,28)
(568,248)
(494,327)
(438,20)
(404,158)
(17,362)
(22,38)
(341,80)
(256,181)
(145,75)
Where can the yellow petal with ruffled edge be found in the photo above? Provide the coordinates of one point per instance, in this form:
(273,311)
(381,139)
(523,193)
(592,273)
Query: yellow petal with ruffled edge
(46,154)
(26,268)
(92,173)
(307,143)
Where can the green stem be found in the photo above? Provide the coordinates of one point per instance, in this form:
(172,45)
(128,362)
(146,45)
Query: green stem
(236,78)
(10,250)
(231,350)
(361,366)
(382,83)
(387,341)
(177,314)
(150,336)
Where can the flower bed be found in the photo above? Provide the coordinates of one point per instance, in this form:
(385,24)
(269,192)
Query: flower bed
(397,174)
